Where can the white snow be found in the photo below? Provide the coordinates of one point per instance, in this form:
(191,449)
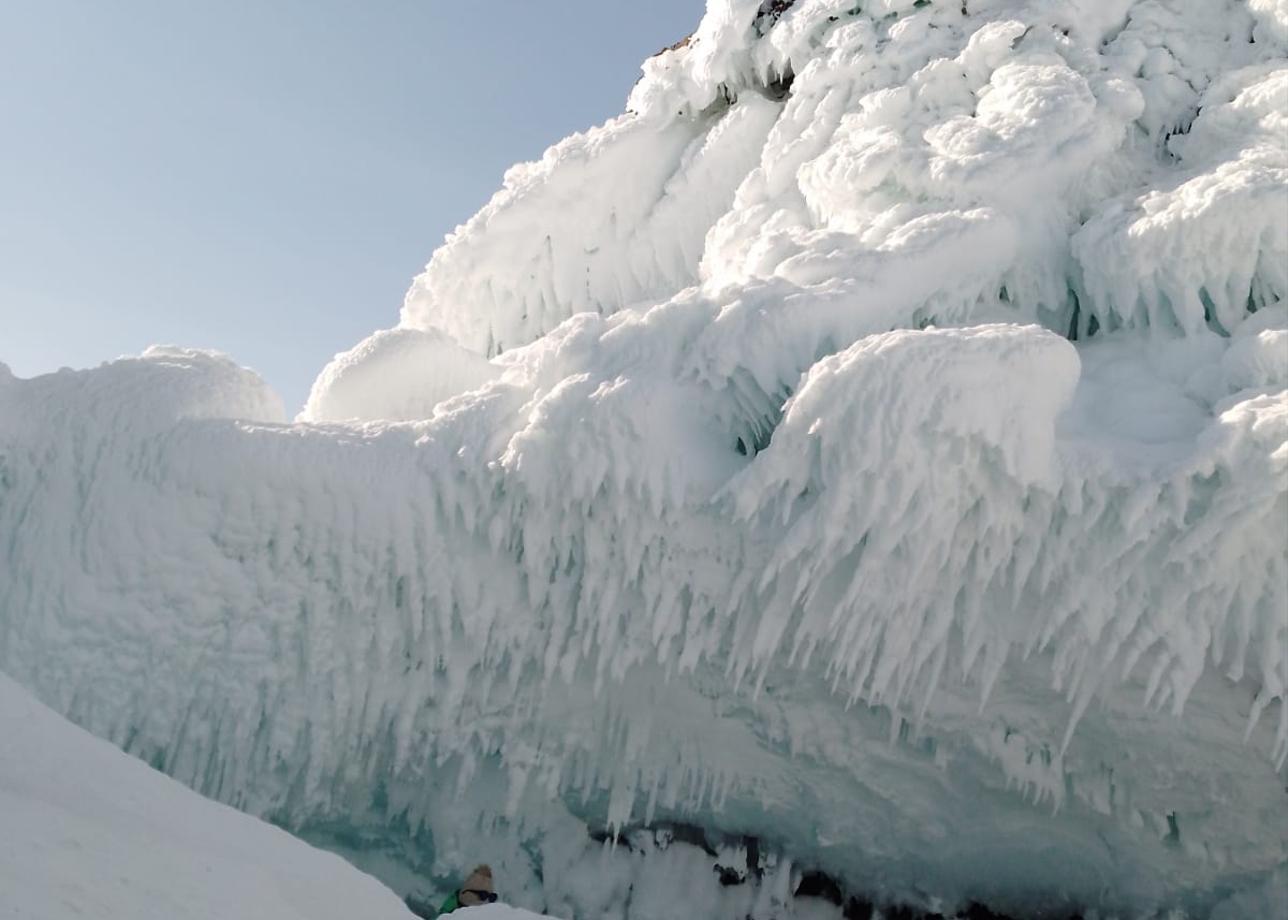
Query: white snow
(395,374)
(496,912)
(87,831)
(873,443)
(657,189)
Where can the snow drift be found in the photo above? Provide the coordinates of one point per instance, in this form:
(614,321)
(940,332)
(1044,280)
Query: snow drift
(88,831)
(865,460)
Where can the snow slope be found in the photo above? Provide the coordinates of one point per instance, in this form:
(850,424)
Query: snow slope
(867,455)
(86,831)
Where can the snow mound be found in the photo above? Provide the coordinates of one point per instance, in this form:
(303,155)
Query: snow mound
(90,832)
(395,374)
(887,489)
(148,392)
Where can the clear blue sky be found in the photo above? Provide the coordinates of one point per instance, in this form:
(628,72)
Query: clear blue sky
(266,176)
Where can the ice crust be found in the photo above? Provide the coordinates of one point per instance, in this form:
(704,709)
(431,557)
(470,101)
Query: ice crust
(874,443)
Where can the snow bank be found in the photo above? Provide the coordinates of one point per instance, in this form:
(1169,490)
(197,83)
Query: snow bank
(889,482)
(89,831)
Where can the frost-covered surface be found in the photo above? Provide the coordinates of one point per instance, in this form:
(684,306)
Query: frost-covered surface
(1128,153)
(86,831)
(874,445)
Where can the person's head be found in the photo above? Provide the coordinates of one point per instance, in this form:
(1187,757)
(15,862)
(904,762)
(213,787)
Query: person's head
(477,888)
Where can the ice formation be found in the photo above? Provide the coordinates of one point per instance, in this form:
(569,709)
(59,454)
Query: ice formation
(396,374)
(870,450)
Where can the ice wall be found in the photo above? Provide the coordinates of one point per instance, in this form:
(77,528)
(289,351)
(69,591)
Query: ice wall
(873,444)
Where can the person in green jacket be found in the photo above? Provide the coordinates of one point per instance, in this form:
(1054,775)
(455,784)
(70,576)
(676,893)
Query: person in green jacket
(476,890)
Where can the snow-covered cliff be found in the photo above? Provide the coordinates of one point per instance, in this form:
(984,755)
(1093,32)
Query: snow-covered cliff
(870,451)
